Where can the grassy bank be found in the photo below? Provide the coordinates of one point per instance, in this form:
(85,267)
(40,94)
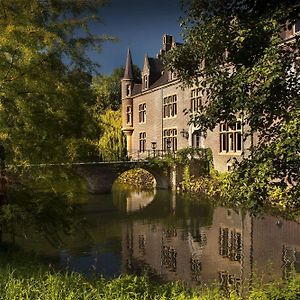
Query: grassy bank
(24,277)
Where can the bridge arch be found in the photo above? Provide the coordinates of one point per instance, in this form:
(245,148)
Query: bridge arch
(101,176)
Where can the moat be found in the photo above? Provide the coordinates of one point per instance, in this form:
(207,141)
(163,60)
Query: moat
(168,236)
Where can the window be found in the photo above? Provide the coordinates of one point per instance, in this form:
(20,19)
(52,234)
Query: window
(197,139)
(146,81)
(129,115)
(196,269)
(231,138)
(229,282)
(128,90)
(142,244)
(170,139)
(196,99)
(170,106)
(230,244)
(173,75)
(168,256)
(142,140)
(142,113)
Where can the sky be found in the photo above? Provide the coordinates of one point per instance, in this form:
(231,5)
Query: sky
(137,24)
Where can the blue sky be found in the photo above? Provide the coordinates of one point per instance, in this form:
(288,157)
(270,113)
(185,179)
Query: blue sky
(137,24)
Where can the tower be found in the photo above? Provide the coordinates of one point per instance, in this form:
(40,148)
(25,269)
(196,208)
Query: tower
(127,106)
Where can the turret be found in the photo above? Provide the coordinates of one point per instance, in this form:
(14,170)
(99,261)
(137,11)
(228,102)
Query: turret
(127,81)
(127,103)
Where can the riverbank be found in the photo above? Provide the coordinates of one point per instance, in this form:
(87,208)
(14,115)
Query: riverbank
(25,277)
(217,189)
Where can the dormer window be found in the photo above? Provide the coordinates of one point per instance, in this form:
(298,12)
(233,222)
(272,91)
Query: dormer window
(173,75)
(146,81)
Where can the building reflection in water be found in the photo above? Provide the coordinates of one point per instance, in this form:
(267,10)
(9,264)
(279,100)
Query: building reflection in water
(230,250)
(173,239)
(138,200)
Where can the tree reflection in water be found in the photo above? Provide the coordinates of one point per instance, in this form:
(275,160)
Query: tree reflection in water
(43,204)
(169,236)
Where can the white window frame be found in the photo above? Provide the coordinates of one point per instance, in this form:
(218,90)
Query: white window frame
(231,138)
(142,141)
(142,113)
(146,81)
(196,99)
(197,141)
(170,134)
(170,107)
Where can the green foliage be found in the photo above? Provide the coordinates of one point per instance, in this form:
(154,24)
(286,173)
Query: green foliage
(107,89)
(112,141)
(247,72)
(183,157)
(139,178)
(203,156)
(168,160)
(23,277)
(185,185)
(107,112)
(44,77)
(186,154)
(45,203)
(208,186)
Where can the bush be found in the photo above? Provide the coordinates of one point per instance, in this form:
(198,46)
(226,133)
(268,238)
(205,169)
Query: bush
(138,178)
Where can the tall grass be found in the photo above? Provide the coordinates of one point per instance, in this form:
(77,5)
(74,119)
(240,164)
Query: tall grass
(23,277)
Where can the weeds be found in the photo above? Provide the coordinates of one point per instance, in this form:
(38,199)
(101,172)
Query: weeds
(24,277)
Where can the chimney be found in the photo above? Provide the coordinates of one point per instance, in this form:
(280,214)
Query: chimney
(168,41)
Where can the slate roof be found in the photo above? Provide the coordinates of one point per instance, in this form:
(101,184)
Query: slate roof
(163,79)
(158,76)
(128,73)
(137,89)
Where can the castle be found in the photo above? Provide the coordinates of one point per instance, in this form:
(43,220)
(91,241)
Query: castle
(154,118)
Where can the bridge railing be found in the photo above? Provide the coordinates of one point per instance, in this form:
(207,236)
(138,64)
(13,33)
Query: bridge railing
(157,153)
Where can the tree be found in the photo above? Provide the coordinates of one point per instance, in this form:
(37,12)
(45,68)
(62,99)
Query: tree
(235,50)
(112,144)
(107,88)
(107,112)
(44,78)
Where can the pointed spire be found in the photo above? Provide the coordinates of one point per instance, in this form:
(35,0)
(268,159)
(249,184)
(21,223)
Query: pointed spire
(128,73)
(146,63)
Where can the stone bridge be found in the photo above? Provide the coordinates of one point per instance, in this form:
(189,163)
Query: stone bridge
(101,176)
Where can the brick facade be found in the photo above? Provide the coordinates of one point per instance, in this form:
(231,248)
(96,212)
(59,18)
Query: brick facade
(163,125)
(158,123)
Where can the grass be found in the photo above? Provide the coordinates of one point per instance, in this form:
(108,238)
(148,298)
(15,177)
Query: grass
(24,277)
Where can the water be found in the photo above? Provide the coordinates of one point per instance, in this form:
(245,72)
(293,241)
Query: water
(168,236)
